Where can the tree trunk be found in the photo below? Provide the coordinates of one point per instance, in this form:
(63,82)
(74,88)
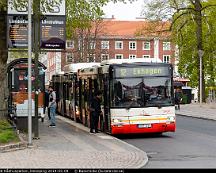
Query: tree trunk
(199,35)
(3,61)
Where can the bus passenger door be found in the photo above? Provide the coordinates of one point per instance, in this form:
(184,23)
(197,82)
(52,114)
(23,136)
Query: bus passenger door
(106,124)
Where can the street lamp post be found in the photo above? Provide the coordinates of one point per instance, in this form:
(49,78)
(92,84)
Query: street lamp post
(200,52)
(29,75)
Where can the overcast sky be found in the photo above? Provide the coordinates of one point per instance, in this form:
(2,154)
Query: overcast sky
(123,11)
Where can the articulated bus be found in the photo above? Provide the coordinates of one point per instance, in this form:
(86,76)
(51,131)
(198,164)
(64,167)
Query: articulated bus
(138,97)
(66,86)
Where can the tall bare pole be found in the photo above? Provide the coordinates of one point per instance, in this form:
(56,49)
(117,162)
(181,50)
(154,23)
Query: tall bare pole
(200,53)
(36,12)
(29,74)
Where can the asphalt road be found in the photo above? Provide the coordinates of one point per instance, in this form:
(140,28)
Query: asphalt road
(193,145)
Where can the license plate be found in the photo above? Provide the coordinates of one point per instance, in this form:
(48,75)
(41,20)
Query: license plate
(144,125)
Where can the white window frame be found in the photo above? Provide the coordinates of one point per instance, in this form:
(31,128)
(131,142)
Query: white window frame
(79,44)
(88,58)
(132,56)
(117,44)
(104,44)
(149,45)
(132,45)
(92,45)
(69,44)
(166,45)
(71,57)
(104,55)
(146,56)
(165,59)
(119,55)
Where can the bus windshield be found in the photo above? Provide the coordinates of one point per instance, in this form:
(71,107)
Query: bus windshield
(141,92)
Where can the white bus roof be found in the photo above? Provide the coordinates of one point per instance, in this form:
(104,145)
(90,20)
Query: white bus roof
(59,73)
(76,66)
(121,61)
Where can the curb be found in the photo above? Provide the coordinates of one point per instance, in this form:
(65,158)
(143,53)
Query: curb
(14,146)
(203,118)
(86,129)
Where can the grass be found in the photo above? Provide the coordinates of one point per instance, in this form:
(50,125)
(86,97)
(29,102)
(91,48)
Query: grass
(7,134)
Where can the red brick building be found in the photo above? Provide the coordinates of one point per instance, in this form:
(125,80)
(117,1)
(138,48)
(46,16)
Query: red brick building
(113,39)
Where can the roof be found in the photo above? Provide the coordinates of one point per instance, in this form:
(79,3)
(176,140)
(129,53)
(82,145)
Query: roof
(23,61)
(76,66)
(132,29)
(178,84)
(120,61)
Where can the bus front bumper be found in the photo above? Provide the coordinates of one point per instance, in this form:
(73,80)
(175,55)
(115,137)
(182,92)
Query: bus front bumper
(137,128)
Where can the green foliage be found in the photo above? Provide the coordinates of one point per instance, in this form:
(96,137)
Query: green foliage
(183,15)
(7,134)
(185,37)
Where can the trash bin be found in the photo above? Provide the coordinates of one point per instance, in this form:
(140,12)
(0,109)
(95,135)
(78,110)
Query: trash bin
(187,92)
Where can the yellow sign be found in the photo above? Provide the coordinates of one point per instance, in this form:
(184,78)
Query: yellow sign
(149,71)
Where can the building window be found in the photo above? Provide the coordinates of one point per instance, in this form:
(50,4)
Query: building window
(92,45)
(146,56)
(146,45)
(91,58)
(118,56)
(119,45)
(132,45)
(166,46)
(104,44)
(70,57)
(104,57)
(69,44)
(79,44)
(132,56)
(166,58)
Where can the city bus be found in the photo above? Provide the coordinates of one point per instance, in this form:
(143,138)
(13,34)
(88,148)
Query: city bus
(138,97)
(66,86)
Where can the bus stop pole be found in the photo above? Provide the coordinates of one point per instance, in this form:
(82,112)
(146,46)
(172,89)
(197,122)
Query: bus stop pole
(36,12)
(29,74)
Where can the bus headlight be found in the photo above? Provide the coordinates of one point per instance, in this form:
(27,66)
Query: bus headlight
(116,120)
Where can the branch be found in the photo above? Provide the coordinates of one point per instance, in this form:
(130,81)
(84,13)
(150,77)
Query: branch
(173,22)
(180,29)
(208,6)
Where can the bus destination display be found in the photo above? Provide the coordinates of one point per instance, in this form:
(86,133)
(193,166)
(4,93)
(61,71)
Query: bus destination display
(141,71)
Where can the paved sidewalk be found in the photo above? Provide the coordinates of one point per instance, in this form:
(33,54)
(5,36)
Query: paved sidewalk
(70,145)
(205,111)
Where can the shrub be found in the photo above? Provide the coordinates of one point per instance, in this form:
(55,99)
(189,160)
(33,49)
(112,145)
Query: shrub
(7,133)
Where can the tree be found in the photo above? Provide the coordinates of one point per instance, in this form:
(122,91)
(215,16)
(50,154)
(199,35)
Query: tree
(186,18)
(3,53)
